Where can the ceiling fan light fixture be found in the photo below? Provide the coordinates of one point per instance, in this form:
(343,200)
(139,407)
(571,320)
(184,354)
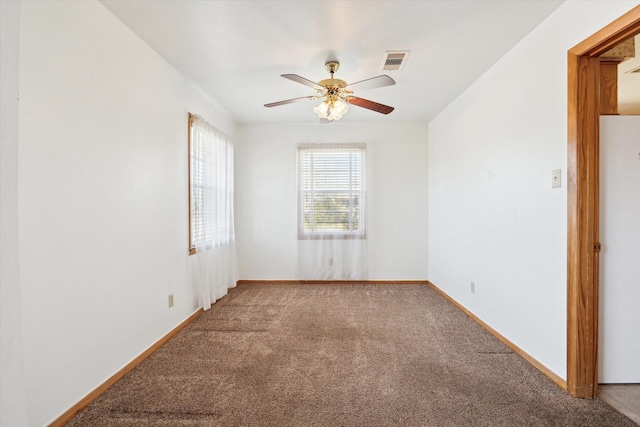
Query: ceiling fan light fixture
(331,109)
(336,95)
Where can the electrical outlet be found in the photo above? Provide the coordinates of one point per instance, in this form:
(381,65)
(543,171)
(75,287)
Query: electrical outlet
(472,287)
(170,300)
(556,178)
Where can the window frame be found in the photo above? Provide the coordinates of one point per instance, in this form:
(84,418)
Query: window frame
(360,233)
(192,246)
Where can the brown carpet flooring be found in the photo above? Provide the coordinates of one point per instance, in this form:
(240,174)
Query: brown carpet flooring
(338,355)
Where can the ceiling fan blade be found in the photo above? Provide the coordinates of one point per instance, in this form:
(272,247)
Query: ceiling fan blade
(372,83)
(302,80)
(370,105)
(288,101)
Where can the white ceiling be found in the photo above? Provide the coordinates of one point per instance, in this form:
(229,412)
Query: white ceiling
(235,51)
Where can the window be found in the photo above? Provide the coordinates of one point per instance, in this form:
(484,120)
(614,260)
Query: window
(331,188)
(210,186)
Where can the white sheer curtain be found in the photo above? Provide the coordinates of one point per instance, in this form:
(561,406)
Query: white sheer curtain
(332,240)
(332,258)
(212,199)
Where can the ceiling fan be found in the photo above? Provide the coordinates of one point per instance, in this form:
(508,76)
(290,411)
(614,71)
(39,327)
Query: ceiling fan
(337,94)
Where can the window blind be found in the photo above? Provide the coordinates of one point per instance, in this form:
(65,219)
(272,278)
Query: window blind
(211,186)
(331,188)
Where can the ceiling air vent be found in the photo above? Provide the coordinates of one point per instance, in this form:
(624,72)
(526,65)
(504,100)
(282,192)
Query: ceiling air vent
(394,61)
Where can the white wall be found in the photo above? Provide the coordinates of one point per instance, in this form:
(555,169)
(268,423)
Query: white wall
(619,347)
(629,83)
(493,217)
(103,199)
(13,397)
(396,191)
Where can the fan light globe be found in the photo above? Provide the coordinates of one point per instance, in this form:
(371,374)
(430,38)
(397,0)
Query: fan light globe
(322,110)
(338,109)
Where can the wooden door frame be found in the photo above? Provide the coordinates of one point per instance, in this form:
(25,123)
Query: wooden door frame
(583,201)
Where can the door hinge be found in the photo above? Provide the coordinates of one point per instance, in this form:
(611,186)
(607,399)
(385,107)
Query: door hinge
(597,247)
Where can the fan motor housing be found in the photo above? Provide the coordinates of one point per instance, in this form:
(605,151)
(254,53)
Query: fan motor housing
(332,83)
